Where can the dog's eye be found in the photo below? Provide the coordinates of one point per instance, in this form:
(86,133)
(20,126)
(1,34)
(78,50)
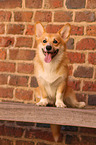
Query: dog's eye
(55,41)
(45,41)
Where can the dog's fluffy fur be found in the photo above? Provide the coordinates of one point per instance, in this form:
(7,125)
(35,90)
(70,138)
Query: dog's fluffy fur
(51,70)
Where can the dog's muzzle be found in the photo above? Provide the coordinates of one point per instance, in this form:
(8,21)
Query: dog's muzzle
(49,55)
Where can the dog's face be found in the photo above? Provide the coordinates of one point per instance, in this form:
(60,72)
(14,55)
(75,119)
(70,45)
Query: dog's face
(51,45)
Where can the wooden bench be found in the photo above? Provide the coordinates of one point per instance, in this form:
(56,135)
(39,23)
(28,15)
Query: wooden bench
(10,111)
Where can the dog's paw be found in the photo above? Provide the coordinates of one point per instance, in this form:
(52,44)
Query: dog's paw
(42,102)
(81,105)
(60,104)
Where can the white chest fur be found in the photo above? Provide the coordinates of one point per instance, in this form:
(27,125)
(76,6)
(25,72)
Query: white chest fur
(50,80)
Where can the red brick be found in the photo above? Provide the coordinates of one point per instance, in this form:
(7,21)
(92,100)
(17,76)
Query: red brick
(5,16)
(34,82)
(11,131)
(23,94)
(53,4)
(5,142)
(81,97)
(3,79)
(74,4)
(2,28)
(89,86)
(21,142)
(82,140)
(92,131)
(24,42)
(53,28)
(83,72)
(43,16)
(91,4)
(33,3)
(18,80)
(39,134)
(74,84)
(30,30)
(15,29)
(60,16)
(92,58)
(92,101)
(7,67)
(25,68)
(91,30)
(70,43)
(76,57)
(6,92)
(86,16)
(88,140)
(3,54)
(6,41)
(86,44)
(10,4)
(77,30)
(70,70)
(21,54)
(23,16)
(72,139)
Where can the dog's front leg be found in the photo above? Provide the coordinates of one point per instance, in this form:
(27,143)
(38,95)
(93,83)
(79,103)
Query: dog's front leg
(44,100)
(60,95)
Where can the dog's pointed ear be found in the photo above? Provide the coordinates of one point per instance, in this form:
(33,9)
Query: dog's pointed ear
(64,32)
(39,30)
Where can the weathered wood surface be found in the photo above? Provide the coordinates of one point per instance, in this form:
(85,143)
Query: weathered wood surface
(51,115)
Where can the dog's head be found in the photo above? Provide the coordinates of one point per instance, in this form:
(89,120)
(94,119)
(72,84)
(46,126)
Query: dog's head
(51,45)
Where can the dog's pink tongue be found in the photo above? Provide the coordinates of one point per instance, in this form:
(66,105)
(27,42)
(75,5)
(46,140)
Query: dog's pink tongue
(48,57)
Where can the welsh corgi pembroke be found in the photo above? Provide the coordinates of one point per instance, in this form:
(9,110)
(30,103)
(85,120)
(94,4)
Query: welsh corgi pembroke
(51,70)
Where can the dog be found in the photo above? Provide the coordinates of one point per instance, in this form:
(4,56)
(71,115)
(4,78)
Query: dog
(51,70)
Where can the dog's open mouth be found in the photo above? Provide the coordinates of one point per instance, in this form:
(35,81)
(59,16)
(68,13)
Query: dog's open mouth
(49,55)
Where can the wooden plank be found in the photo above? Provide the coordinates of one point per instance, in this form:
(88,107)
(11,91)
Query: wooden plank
(50,115)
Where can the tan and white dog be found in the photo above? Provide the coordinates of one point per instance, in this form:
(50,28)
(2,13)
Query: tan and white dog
(51,69)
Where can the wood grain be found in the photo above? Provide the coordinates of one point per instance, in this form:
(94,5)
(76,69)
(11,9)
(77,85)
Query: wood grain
(50,115)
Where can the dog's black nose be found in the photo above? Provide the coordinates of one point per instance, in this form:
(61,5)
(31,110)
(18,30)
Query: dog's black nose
(48,47)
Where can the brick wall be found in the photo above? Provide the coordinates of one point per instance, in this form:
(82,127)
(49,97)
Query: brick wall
(18,133)
(17,45)
(17,52)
